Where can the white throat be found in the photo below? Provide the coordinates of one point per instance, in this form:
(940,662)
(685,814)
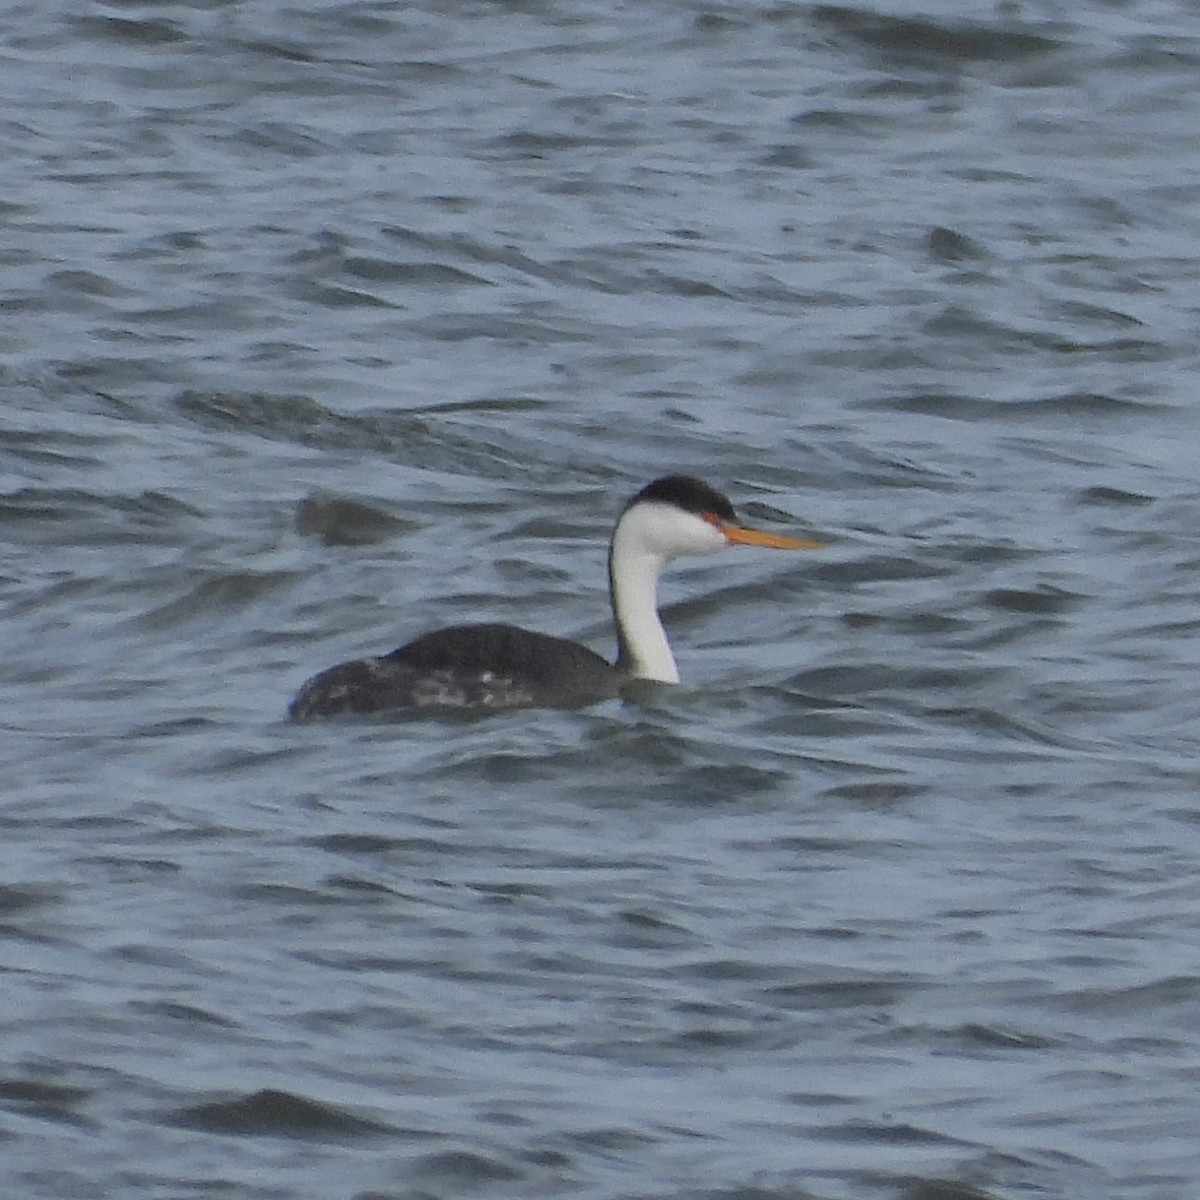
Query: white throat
(647,537)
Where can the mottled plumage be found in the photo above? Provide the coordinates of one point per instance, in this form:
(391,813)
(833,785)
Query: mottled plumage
(465,666)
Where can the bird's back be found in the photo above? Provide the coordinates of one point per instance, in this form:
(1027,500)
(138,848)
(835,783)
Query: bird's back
(463,667)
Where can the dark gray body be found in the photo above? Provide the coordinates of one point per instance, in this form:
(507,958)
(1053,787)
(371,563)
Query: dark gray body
(467,666)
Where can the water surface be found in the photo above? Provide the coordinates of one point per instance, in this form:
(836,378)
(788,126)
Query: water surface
(327,324)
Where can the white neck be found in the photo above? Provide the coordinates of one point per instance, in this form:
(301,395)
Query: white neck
(648,536)
(643,651)
(650,533)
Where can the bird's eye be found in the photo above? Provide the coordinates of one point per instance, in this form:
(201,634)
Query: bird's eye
(712,519)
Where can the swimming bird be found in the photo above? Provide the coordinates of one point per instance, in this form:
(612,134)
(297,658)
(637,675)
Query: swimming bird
(500,666)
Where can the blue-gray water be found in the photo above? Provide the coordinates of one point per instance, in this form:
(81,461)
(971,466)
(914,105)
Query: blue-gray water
(325,323)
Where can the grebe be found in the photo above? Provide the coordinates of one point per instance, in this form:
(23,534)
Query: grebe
(500,666)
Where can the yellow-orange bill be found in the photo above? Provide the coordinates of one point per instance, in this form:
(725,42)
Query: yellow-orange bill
(776,541)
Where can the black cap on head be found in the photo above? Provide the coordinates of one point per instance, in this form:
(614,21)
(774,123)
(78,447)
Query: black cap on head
(692,495)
